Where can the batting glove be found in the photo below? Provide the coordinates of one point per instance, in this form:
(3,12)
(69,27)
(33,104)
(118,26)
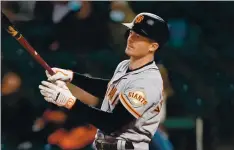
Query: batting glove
(59,95)
(60,74)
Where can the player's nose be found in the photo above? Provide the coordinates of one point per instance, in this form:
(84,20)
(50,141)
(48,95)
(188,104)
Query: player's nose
(130,38)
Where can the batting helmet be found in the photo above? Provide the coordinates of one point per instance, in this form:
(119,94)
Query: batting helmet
(151,26)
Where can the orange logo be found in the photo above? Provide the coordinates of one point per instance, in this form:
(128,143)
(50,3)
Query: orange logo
(70,103)
(137,98)
(139,19)
(12,31)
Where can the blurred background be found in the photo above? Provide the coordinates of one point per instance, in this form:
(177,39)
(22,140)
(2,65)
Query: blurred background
(87,37)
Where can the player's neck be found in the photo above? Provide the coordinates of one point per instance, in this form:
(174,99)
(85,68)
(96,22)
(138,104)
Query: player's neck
(139,62)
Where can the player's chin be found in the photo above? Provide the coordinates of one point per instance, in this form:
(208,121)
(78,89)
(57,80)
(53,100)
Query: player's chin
(129,51)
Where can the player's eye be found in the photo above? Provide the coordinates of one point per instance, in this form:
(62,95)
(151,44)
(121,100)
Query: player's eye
(137,35)
(134,34)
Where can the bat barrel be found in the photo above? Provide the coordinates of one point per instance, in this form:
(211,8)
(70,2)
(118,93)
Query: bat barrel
(10,28)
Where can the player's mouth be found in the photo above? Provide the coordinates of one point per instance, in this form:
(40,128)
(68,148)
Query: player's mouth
(130,46)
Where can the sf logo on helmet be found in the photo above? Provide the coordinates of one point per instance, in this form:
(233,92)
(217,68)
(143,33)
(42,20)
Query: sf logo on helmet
(139,19)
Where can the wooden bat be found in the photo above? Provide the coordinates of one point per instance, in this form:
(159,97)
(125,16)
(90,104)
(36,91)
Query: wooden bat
(76,91)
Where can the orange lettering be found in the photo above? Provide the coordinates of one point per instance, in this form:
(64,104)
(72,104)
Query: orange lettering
(140,98)
(157,109)
(112,93)
(130,94)
(135,96)
(145,102)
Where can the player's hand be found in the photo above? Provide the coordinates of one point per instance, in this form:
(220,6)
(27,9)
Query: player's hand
(58,95)
(60,74)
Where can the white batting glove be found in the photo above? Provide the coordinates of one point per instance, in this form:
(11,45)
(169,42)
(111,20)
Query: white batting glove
(60,96)
(61,84)
(60,74)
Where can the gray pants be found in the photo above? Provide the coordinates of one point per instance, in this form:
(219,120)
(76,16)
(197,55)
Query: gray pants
(116,145)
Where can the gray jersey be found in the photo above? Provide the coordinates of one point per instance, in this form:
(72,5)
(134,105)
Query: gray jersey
(141,93)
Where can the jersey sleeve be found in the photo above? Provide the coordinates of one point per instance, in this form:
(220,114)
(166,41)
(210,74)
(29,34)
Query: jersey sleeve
(140,95)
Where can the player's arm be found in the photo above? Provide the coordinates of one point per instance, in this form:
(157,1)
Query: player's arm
(94,86)
(105,121)
(131,106)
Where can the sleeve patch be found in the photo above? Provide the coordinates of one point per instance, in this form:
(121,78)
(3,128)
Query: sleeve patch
(137,98)
(128,106)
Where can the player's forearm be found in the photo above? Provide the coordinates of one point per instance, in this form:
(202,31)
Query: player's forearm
(83,95)
(94,86)
(105,121)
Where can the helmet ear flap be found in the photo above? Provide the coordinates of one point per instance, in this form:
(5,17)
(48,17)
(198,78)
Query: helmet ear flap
(127,34)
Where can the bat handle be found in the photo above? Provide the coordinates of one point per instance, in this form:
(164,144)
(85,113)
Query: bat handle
(51,72)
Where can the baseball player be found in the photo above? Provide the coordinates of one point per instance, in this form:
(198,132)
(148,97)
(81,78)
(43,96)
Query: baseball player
(132,99)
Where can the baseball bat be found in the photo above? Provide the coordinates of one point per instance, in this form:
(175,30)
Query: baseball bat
(11,29)
(76,91)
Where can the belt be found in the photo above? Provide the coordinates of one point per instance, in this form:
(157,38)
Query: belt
(112,146)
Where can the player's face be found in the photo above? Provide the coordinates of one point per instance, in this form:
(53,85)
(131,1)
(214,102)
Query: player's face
(137,45)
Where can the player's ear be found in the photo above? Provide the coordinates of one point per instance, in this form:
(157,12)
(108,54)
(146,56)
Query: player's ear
(153,47)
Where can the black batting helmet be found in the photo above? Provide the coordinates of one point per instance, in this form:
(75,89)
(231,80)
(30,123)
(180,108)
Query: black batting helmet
(151,26)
